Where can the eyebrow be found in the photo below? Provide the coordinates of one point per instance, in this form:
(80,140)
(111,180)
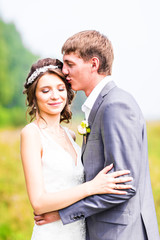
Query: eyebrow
(67,61)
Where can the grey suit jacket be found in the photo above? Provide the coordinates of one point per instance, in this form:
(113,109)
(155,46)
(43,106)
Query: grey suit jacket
(118,135)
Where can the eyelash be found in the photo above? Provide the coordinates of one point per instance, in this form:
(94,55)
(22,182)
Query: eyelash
(69,64)
(60,89)
(45,91)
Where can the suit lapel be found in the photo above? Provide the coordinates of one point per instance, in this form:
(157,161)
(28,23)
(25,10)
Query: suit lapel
(83,146)
(91,119)
(95,108)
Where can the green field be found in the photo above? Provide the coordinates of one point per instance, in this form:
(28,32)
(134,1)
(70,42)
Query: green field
(16,215)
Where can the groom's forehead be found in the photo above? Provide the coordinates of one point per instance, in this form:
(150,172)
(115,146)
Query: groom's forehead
(71,57)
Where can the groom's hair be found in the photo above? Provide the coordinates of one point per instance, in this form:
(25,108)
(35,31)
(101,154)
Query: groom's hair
(91,43)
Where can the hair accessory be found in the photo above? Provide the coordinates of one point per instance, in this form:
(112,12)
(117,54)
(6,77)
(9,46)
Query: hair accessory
(38,71)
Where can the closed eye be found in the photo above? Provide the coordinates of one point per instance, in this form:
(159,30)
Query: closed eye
(45,90)
(69,64)
(61,89)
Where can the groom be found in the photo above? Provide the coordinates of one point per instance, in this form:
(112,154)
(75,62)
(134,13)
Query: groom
(118,135)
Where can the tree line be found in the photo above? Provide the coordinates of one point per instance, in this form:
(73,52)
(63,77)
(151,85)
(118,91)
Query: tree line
(15,62)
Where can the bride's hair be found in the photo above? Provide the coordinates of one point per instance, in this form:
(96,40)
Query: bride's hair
(38,69)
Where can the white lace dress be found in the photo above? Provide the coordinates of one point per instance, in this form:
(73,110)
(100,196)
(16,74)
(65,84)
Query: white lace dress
(59,172)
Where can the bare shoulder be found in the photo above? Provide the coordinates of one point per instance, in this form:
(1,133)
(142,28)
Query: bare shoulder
(73,135)
(29,130)
(30,137)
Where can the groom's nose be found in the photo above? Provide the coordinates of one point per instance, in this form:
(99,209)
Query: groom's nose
(65,70)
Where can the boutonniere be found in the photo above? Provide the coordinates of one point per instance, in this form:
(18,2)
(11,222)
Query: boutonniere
(84,128)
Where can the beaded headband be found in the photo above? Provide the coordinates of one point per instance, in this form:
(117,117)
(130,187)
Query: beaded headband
(38,71)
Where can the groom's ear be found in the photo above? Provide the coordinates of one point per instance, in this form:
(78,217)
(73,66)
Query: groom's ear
(94,63)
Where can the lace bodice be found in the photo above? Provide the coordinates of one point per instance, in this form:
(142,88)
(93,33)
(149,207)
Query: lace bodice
(59,173)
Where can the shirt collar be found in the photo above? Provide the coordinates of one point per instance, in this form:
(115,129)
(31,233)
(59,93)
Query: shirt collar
(88,104)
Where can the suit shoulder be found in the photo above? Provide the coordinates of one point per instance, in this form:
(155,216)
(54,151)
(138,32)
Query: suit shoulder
(119,100)
(119,95)
(123,94)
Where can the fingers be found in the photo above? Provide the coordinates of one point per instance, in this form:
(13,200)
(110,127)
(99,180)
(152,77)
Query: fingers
(122,179)
(118,192)
(122,186)
(38,217)
(107,168)
(41,222)
(115,174)
(119,173)
(117,189)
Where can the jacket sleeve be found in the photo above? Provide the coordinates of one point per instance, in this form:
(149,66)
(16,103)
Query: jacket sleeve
(122,132)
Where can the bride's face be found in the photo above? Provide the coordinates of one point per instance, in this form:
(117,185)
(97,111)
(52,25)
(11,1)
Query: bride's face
(51,94)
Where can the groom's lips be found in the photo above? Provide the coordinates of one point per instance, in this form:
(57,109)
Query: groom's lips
(68,80)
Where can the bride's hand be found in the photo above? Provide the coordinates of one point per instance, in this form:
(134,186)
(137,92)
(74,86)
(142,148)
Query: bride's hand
(112,183)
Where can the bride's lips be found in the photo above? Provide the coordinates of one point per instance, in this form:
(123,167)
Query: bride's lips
(55,104)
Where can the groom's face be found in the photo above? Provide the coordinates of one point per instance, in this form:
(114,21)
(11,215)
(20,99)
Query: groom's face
(77,71)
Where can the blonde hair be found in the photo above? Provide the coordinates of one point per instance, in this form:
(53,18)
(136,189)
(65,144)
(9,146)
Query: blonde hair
(91,43)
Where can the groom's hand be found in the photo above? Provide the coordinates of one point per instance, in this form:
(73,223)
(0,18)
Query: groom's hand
(46,218)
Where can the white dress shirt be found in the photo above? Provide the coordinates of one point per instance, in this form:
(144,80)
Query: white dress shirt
(88,104)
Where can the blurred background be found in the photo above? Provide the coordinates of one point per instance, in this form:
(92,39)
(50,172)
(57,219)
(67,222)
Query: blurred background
(33,29)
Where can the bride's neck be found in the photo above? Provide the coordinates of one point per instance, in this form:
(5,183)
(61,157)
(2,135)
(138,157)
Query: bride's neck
(52,122)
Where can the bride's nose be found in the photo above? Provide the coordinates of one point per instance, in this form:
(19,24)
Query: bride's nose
(54,94)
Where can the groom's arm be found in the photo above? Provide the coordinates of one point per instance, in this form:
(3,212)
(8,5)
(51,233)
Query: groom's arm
(122,138)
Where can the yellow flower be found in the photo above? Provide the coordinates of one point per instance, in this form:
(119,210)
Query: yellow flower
(84,128)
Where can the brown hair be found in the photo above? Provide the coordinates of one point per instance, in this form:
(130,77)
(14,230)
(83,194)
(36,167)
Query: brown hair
(30,88)
(88,44)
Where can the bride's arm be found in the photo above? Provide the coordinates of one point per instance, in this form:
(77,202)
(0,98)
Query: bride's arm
(41,201)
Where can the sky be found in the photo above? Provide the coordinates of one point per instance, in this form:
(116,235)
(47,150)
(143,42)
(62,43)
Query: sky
(131,25)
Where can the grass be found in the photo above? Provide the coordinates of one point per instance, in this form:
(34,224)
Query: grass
(16,214)
(153,131)
(16,221)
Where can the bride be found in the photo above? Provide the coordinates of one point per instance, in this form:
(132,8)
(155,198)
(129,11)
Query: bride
(51,159)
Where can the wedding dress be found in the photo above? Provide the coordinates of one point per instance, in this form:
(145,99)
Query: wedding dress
(59,173)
